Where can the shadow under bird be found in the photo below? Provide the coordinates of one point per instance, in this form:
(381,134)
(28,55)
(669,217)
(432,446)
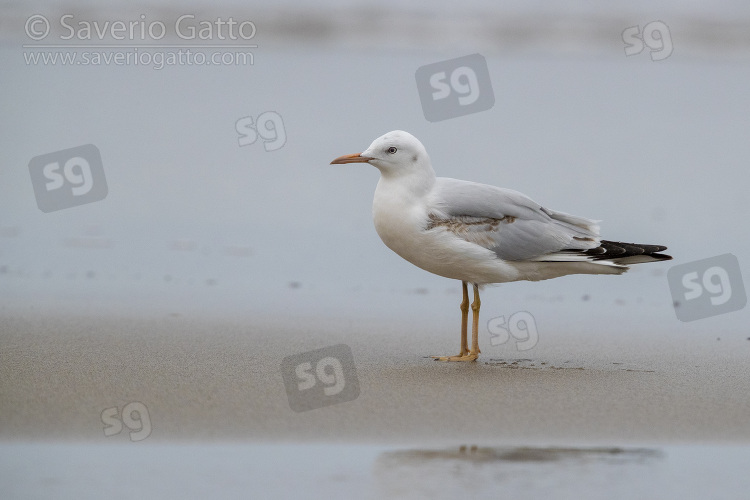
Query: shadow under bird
(480,234)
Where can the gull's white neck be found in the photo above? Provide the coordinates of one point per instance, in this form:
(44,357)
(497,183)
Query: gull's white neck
(413,183)
(400,207)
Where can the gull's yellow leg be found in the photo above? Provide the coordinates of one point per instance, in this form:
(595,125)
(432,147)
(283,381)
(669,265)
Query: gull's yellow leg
(475,324)
(464,355)
(464,320)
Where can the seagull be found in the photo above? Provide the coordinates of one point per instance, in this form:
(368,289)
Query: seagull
(480,234)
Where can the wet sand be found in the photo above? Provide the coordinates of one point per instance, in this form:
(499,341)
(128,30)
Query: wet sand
(204,379)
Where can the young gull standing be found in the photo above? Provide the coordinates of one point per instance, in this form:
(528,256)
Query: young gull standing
(480,234)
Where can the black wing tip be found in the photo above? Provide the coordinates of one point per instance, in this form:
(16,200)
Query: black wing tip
(660,256)
(619,250)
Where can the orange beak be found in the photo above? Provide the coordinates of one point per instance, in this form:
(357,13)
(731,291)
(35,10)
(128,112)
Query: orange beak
(355,158)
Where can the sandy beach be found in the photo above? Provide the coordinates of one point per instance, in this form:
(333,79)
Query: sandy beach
(211,379)
(582,414)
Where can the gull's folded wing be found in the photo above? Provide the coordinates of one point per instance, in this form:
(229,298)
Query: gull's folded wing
(508,222)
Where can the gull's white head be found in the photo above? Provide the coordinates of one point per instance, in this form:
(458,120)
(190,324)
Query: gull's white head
(394,154)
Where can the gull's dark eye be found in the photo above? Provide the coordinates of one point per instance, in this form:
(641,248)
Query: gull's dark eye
(392,150)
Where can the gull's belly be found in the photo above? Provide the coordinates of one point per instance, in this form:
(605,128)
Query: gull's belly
(402,229)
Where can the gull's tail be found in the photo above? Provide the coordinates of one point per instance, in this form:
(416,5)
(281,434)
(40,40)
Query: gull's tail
(610,257)
(627,253)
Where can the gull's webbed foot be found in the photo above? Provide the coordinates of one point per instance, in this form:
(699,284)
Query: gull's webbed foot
(459,357)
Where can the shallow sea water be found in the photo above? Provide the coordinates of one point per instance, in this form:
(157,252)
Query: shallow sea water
(138,470)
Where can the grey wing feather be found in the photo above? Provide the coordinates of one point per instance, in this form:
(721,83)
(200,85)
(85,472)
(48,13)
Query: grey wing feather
(508,222)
